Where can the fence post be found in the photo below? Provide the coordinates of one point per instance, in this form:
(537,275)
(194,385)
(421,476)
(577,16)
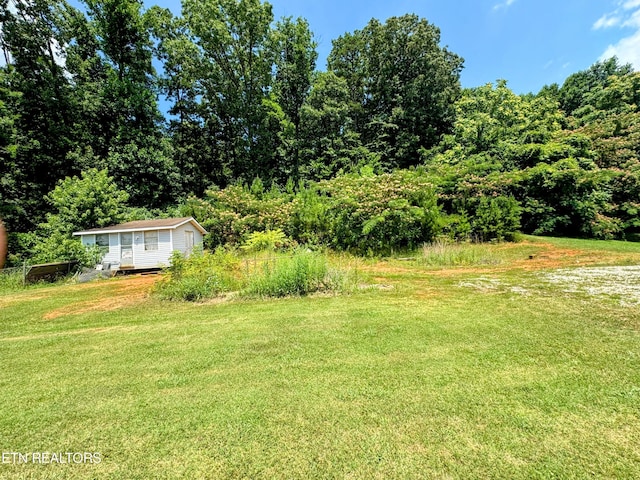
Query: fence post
(24,273)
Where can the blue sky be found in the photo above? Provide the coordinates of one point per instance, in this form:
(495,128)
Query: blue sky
(529,43)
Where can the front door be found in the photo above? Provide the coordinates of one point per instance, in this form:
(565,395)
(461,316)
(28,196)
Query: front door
(126,249)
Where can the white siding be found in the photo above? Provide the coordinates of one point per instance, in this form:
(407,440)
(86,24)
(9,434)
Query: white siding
(113,255)
(179,236)
(151,258)
(148,258)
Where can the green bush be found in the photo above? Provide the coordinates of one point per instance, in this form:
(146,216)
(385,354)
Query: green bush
(230,215)
(300,274)
(11,279)
(362,213)
(269,240)
(496,218)
(380,213)
(200,276)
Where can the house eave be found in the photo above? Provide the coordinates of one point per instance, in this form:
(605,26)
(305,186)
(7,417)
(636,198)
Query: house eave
(142,229)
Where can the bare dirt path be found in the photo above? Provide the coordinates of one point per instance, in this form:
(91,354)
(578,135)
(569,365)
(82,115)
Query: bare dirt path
(109,295)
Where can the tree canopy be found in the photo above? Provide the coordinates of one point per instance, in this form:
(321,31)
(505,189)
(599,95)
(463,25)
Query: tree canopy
(224,96)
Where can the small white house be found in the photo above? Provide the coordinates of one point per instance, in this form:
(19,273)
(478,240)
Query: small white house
(144,243)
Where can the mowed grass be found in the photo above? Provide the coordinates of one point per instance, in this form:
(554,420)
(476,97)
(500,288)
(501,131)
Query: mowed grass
(424,380)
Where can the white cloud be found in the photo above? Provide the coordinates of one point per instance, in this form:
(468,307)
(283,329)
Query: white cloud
(607,21)
(626,16)
(627,50)
(633,21)
(508,3)
(630,4)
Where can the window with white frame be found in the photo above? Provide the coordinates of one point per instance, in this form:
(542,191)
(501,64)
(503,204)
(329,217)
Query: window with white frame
(151,240)
(102,240)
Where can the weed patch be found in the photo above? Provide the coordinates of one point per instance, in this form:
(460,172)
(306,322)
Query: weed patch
(299,274)
(446,254)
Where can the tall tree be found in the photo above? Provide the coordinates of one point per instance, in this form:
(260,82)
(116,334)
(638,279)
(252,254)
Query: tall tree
(295,61)
(406,82)
(330,144)
(193,135)
(38,95)
(579,87)
(233,75)
(137,155)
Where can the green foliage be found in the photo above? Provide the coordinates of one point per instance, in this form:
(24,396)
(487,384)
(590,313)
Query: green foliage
(402,85)
(199,276)
(444,253)
(204,275)
(300,274)
(231,214)
(456,227)
(367,214)
(248,106)
(58,247)
(580,88)
(375,214)
(89,201)
(11,280)
(269,240)
(496,218)
(330,144)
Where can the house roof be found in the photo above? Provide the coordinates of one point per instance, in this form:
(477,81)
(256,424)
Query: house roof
(142,225)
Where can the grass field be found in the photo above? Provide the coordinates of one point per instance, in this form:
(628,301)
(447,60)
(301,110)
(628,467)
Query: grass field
(477,368)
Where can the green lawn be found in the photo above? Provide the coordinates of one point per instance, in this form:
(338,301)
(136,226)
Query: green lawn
(431,378)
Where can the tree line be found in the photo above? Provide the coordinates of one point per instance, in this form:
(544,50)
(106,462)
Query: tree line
(177,107)
(79,89)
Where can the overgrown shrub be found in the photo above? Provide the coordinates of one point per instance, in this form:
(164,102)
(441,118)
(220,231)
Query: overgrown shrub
(496,218)
(269,240)
(58,247)
(299,274)
(379,213)
(361,213)
(200,276)
(230,215)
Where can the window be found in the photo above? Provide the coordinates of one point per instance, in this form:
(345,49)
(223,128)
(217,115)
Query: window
(151,240)
(102,240)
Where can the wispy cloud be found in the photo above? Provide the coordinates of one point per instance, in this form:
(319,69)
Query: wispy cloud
(508,3)
(627,50)
(626,16)
(607,21)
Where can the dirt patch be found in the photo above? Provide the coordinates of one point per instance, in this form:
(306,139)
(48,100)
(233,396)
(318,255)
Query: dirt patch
(110,295)
(546,257)
(84,331)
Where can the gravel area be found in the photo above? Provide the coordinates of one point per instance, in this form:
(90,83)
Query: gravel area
(618,282)
(623,282)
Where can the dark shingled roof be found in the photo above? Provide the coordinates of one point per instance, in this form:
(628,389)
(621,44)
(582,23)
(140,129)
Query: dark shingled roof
(138,225)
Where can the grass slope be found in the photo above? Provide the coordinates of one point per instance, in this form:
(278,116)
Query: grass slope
(429,379)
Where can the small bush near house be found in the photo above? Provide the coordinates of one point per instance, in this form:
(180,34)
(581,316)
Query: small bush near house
(200,276)
(11,279)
